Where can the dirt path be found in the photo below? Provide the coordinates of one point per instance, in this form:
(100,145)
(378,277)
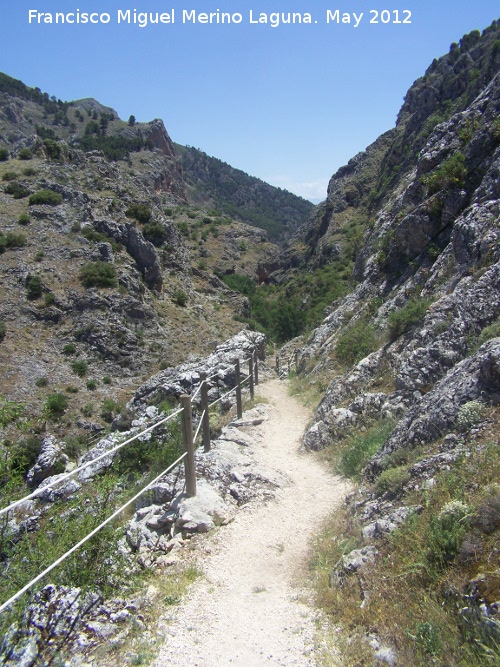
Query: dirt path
(248,609)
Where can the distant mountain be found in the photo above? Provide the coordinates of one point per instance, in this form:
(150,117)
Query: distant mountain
(211,181)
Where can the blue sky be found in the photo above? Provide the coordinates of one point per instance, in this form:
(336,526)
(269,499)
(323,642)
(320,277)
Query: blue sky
(289,104)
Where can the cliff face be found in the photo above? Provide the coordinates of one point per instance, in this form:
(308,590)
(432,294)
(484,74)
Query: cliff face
(433,240)
(361,188)
(414,347)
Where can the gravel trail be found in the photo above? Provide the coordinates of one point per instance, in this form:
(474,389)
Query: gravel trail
(249,610)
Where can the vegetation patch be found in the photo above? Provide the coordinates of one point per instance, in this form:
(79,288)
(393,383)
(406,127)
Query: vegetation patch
(392,480)
(79,367)
(48,197)
(419,589)
(401,321)
(17,190)
(450,174)
(139,212)
(98,274)
(11,240)
(56,405)
(180,297)
(357,342)
(356,450)
(34,287)
(155,232)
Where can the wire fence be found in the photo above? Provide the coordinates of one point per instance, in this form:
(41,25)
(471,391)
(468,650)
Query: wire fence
(190,436)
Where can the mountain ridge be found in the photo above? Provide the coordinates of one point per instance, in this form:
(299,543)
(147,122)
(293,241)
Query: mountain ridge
(404,364)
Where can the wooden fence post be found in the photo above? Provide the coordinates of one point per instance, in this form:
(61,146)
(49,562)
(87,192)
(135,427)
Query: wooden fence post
(237,374)
(187,432)
(256,366)
(250,379)
(206,415)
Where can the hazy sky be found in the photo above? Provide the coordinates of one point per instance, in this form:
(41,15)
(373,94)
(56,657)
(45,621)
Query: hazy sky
(289,104)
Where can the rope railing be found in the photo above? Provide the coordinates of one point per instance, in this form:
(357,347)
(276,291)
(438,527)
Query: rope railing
(188,457)
(74,548)
(200,424)
(87,464)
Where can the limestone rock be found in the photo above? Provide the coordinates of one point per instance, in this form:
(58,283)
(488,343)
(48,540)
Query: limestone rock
(352,563)
(48,461)
(204,511)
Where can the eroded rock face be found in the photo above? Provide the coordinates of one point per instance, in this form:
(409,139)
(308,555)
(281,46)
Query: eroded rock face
(50,459)
(138,247)
(434,415)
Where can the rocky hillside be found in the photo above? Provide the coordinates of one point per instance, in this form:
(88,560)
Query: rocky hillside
(410,360)
(109,275)
(213,182)
(107,262)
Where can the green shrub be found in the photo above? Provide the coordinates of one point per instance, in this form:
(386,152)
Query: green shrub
(56,404)
(42,382)
(357,342)
(45,197)
(392,480)
(139,212)
(183,228)
(180,297)
(155,232)
(25,154)
(9,176)
(98,274)
(360,447)
(49,299)
(143,456)
(25,453)
(11,240)
(489,332)
(29,171)
(4,154)
(88,410)
(110,409)
(3,330)
(428,638)
(39,255)
(16,190)
(450,174)
(23,219)
(34,287)
(401,321)
(71,389)
(53,148)
(69,348)
(446,531)
(106,380)
(79,367)
(74,446)
(91,385)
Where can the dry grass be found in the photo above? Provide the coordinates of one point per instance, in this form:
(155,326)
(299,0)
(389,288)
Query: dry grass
(414,593)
